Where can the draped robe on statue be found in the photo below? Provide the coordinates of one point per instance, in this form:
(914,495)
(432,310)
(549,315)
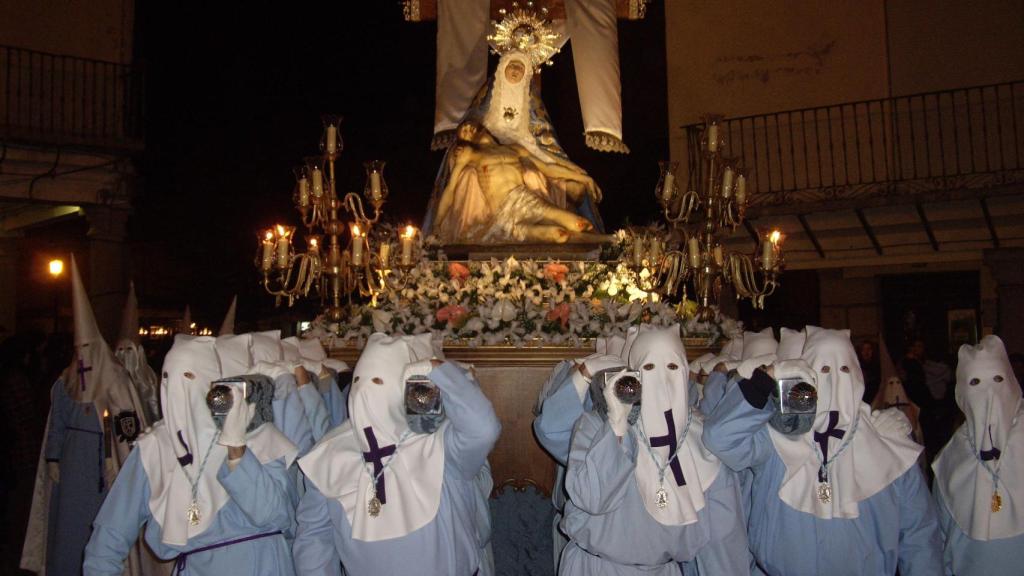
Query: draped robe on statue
(86,458)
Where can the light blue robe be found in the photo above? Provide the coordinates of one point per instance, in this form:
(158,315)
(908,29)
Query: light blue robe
(75,440)
(448,545)
(290,415)
(613,534)
(714,390)
(963,556)
(334,388)
(897,527)
(315,409)
(260,504)
(560,407)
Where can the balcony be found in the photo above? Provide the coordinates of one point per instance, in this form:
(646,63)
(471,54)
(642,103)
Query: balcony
(924,177)
(54,99)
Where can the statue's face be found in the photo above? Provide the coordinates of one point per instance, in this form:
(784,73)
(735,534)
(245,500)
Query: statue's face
(514,71)
(467,131)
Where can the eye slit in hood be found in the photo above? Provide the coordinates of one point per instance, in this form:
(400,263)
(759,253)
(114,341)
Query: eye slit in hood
(997,378)
(845,369)
(826,369)
(649,366)
(377,381)
(974,382)
(673,366)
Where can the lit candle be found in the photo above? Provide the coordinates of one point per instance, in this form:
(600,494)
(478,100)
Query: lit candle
(332,139)
(318,181)
(694,250)
(282,247)
(385,254)
(357,246)
(727,178)
(712,137)
(407,238)
(375,192)
(719,255)
(767,254)
(669,185)
(268,250)
(303,192)
(108,434)
(741,189)
(638,251)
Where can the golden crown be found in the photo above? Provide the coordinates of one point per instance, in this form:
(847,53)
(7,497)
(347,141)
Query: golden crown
(525,30)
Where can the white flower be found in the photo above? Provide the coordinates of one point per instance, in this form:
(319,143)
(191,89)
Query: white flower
(503,310)
(474,324)
(381,320)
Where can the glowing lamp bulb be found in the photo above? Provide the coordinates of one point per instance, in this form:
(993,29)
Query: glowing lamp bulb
(56,267)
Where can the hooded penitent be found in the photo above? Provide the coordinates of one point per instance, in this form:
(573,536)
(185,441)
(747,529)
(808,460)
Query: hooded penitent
(891,393)
(673,469)
(95,375)
(132,356)
(97,379)
(980,473)
(858,461)
(228,325)
(374,454)
(183,449)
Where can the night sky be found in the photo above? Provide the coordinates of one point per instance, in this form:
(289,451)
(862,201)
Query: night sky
(234,99)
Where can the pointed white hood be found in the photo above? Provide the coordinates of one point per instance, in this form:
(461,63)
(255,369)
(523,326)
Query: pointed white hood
(228,325)
(415,462)
(132,356)
(859,470)
(990,397)
(95,375)
(186,439)
(664,410)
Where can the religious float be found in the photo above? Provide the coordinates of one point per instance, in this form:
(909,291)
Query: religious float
(513,270)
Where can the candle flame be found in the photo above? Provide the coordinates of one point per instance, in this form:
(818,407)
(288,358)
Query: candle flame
(106,414)
(268,235)
(410,231)
(775,237)
(313,243)
(355,231)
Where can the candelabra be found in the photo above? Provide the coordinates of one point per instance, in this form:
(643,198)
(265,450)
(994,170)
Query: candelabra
(365,267)
(690,253)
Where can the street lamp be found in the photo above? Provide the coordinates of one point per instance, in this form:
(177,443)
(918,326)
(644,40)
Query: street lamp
(55,268)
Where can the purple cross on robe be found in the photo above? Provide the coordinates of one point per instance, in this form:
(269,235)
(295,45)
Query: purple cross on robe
(669,439)
(822,439)
(82,369)
(376,457)
(992,454)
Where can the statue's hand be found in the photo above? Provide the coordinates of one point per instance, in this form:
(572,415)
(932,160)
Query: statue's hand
(593,190)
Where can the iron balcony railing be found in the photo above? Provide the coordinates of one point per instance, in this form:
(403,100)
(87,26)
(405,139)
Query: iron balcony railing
(951,139)
(59,99)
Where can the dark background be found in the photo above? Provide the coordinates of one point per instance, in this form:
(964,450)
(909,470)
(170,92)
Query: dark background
(234,98)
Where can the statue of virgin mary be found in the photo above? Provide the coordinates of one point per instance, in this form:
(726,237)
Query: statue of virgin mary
(510,109)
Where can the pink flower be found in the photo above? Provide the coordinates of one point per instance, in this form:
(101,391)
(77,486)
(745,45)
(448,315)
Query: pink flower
(555,271)
(560,313)
(458,271)
(453,314)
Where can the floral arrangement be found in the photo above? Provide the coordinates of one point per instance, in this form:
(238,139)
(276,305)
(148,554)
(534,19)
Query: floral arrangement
(518,303)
